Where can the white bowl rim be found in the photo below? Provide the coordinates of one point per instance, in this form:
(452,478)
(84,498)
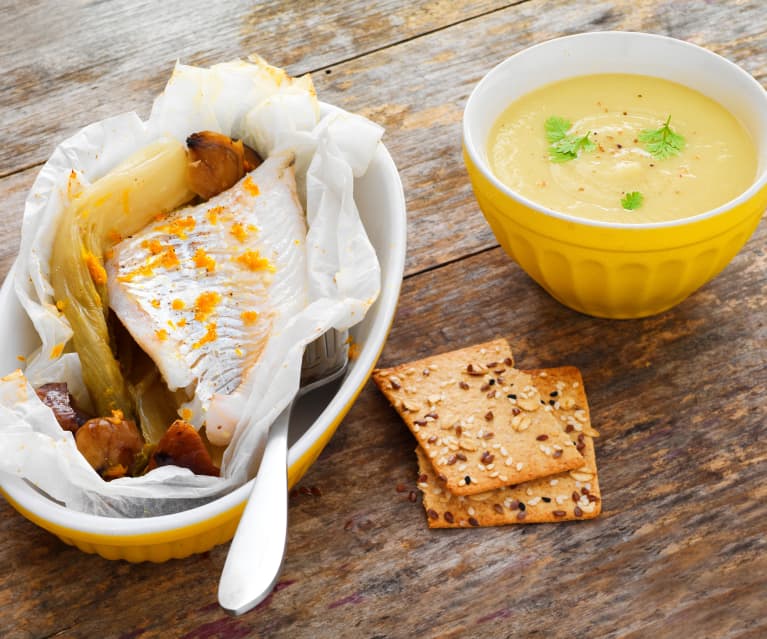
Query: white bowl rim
(52,512)
(471,145)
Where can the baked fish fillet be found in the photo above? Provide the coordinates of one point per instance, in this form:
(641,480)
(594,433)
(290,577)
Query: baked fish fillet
(202,289)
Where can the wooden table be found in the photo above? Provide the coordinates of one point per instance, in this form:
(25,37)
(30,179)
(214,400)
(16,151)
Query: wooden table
(679,398)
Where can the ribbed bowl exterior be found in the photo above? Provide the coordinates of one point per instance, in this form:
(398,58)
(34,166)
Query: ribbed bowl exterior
(611,271)
(158,552)
(598,268)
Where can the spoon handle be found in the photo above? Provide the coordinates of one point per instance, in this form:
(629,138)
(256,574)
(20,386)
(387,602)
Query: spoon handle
(255,557)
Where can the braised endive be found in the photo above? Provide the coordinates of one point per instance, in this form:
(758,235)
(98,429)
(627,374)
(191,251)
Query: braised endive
(148,183)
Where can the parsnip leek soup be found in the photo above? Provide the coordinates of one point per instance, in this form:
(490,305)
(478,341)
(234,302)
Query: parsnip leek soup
(622,148)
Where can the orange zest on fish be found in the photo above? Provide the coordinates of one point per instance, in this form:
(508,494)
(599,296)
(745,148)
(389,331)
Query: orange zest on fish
(205,273)
(211,334)
(239,232)
(249,317)
(251,187)
(205,304)
(180,227)
(253,261)
(203,260)
(213,213)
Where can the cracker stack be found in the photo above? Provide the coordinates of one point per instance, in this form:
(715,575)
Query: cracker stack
(496,445)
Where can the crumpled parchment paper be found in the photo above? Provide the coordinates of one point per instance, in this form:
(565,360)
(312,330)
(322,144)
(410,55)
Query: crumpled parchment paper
(270,111)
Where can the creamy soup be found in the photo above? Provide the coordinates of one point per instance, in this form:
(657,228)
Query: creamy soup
(622,148)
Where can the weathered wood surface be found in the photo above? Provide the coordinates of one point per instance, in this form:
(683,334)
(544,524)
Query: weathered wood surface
(679,398)
(90,60)
(415,88)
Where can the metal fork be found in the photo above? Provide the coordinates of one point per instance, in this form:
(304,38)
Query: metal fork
(257,552)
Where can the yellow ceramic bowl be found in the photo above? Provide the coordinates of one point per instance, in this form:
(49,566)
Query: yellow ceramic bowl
(381,203)
(615,270)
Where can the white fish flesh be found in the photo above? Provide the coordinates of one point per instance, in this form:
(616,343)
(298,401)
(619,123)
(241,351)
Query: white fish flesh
(203,288)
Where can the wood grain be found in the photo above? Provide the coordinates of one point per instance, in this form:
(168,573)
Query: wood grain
(681,547)
(440,68)
(679,406)
(13,193)
(86,61)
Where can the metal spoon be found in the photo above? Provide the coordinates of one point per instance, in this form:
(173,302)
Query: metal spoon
(257,552)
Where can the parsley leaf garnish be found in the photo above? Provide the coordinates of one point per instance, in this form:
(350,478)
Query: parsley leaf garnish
(556,128)
(567,148)
(662,143)
(564,147)
(632,200)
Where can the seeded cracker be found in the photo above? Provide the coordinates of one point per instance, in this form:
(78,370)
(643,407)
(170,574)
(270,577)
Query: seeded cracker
(478,419)
(566,496)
